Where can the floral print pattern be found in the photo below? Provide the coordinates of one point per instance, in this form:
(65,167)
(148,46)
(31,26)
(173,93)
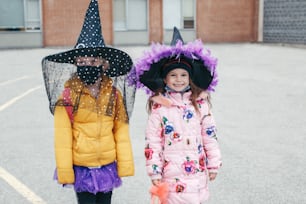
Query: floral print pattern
(148,153)
(189,166)
(188,114)
(200,102)
(211,132)
(176,148)
(156,169)
(202,163)
(179,186)
(169,130)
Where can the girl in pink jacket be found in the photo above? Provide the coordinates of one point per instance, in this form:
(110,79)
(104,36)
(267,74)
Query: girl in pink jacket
(181,146)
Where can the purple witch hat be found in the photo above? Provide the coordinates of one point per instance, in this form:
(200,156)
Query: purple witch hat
(147,73)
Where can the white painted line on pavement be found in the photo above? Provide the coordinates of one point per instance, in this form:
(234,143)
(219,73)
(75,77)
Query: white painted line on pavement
(10,179)
(20,187)
(13,100)
(13,80)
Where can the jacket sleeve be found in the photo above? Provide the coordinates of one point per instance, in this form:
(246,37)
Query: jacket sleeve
(154,146)
(211,145)
(125,161)
(63,146)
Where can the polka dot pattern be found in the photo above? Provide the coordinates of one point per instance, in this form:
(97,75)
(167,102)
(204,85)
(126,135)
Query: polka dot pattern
(60,72)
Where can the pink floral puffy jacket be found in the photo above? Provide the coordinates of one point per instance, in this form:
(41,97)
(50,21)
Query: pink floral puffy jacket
(181,146)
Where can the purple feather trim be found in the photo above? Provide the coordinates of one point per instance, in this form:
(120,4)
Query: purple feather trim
(192,50)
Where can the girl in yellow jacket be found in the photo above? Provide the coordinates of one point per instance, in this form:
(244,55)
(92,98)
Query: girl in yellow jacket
(91,100)
(92,143)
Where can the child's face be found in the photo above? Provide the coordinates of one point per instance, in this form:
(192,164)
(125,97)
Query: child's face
(92,61)
(177,79)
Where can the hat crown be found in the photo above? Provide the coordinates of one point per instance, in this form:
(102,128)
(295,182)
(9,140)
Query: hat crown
(91,33)
(176,37)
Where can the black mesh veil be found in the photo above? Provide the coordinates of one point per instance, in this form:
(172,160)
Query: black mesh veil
(64,87)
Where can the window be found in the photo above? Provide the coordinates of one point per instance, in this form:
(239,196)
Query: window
(130,15)
(32,15)
(19,15)
(179,13)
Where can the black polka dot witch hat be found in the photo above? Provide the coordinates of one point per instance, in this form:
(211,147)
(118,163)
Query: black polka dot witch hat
(91,43)
(59,69)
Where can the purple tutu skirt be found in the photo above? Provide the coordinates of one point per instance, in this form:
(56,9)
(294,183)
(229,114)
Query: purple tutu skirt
(94,180)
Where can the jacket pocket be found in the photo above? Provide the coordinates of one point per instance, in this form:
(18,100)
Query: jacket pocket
(85,145)
(76,140)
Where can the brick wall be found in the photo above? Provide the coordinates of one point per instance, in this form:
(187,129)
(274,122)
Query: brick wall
(227,21)
(216,20)
(156,21)
(63,21)
(284,21)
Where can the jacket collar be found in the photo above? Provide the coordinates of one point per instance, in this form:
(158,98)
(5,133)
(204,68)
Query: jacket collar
(169,99)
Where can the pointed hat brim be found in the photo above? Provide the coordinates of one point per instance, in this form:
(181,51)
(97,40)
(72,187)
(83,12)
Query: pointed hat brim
(120,62)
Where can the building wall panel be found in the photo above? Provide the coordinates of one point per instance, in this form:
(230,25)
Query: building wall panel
(216,21)
(63,21)
(284,21)
(227,21)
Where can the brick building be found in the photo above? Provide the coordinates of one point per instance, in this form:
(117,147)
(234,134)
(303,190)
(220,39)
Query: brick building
(44,23)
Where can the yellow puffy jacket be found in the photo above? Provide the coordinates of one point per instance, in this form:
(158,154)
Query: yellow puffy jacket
(93,139)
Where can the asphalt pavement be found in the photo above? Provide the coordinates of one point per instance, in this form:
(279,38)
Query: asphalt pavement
(259,106)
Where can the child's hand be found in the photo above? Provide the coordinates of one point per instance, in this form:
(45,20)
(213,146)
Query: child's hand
(212,176)
(155,182)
